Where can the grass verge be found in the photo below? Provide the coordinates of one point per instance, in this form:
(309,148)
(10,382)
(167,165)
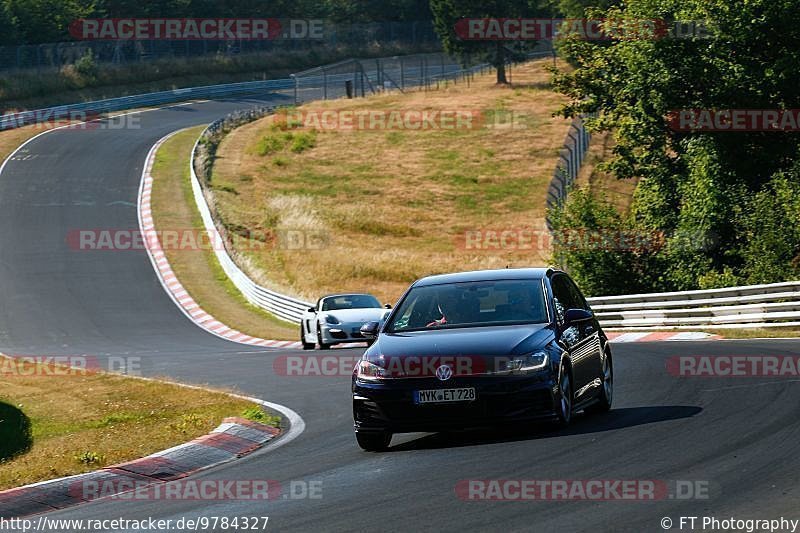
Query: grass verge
(198,269)
(759,333)
(10,140)
(394,203)
(74,422)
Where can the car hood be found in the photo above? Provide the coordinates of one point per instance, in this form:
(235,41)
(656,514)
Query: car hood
(495,341)
(357,315)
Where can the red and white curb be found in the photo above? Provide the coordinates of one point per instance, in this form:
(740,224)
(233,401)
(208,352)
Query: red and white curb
(168,278)
(234,439)
(623,338)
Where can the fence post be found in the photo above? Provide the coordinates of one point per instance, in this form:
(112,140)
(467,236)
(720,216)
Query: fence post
(324,84)
(296,81)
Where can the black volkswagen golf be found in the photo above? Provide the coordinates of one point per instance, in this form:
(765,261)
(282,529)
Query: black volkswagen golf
(479,349)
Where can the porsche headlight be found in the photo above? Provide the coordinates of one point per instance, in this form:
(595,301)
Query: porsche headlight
(330,319)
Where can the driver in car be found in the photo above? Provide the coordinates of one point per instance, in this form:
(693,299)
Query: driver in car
(454,309)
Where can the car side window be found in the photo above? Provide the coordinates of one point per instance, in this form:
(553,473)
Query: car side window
(579,302)
(561,297)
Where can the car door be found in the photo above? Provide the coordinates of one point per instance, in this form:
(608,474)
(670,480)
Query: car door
(576,338)
(589,332)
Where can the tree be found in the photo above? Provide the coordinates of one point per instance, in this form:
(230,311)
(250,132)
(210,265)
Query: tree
(746,56)
(42,21)
(8,35)
(447,13)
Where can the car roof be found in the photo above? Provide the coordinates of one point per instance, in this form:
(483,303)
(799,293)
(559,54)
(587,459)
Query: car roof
(345,294)
(485,275)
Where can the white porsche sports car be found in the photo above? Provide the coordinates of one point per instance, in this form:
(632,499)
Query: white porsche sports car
(338,318)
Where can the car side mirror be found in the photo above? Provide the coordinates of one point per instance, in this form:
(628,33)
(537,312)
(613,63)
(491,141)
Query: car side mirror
(576,316)
(312,309)
(387,306)
(370,330)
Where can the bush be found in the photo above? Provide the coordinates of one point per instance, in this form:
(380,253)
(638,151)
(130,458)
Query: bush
(86,66)
(770,234)
(302,141)
(90,458)
(595,245)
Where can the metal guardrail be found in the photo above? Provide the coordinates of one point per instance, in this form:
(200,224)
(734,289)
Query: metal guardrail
(762,306)
(75,111)
(570,162)
(280,305)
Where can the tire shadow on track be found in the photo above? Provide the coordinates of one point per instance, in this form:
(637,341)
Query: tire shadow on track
(582,424)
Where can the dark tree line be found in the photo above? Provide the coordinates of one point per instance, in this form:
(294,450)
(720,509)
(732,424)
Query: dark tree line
(43,21)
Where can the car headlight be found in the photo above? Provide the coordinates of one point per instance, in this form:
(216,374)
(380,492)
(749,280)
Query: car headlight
(367,371)
(330,319)
(524,364)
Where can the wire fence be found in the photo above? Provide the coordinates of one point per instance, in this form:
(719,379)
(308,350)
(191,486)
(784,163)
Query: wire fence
(58,55)
(358,77)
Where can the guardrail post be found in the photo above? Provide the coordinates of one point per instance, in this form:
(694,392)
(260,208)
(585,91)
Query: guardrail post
(296,81)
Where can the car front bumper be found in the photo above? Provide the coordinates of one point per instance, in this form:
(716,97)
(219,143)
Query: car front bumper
(389,405)
(340,333)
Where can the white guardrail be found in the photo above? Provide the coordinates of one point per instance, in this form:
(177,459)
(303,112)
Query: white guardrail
(757,306)
(282,306)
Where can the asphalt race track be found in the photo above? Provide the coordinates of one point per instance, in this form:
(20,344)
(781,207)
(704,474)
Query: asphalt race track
(741,436)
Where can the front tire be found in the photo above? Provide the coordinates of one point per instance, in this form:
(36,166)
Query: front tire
(306,345)
(565,399)
(322,345)
(374,442)
(606,396)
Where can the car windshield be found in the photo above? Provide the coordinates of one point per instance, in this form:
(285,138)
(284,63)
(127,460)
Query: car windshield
(474,304)
(350,301)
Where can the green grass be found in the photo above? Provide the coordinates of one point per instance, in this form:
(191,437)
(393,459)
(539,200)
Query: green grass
(60,425)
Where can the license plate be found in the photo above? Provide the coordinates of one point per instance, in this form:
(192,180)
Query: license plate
(444,396)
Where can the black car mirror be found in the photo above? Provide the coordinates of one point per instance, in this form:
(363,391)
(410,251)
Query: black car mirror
(312,309)
(576,316)
(370,330)
(387,306)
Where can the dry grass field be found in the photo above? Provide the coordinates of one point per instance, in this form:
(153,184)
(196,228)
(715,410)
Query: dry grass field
(386,205)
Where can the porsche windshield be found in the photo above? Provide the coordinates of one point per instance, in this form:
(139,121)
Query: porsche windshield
(474,304)
(351,301)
